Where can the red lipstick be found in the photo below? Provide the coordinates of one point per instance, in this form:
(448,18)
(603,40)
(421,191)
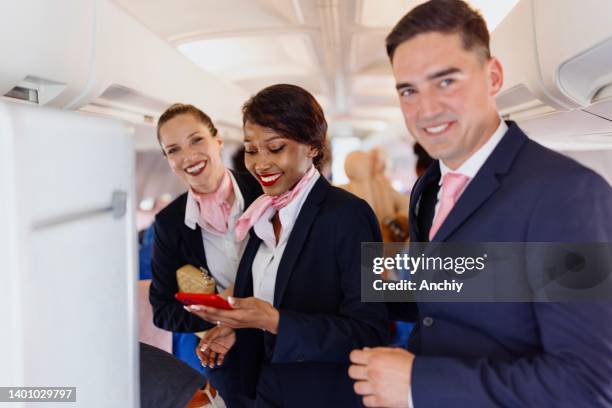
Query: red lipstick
(268,180)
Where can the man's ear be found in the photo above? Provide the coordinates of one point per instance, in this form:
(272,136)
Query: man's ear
(496,75)
(219,140)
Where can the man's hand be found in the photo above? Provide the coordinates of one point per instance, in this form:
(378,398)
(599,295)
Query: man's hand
(383,376)
(248,312)
(214,345)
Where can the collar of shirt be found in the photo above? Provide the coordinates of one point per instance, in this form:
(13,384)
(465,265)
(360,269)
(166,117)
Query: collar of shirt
(471,166)
(263,227)
(192,210)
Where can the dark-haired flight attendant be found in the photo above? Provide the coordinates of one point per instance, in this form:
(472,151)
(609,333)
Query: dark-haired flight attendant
(297,302)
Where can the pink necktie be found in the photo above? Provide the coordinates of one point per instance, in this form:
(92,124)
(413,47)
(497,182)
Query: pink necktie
(261,205)
(214,208)
(452,187)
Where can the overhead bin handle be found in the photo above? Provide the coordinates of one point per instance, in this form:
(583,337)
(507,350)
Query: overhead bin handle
(117,208)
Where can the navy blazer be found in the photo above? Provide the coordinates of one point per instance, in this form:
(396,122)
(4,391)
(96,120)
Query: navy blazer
(318,295)
(516,354)
(176,245)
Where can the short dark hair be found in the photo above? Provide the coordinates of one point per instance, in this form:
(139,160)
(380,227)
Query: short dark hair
(292,112)
(183,108)
(444,16)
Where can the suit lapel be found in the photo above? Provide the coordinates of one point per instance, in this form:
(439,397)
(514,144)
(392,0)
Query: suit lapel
(483,185)
(486,181)
(298,235)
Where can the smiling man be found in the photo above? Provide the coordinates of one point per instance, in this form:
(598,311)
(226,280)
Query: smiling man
(490,183)
(446,94)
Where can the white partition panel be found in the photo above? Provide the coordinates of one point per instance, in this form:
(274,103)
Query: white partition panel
(67,247)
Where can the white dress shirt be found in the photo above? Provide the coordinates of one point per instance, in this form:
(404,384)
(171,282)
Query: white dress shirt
(223,252)
(471,166)
(269,255)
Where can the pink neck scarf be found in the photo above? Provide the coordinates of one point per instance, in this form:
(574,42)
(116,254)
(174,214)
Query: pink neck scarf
(264,202)
(214,207)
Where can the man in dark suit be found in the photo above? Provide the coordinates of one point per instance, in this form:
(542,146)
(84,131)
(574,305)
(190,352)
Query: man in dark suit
(490,183)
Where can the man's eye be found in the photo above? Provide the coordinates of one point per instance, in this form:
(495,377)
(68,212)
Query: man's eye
(250,151)
(406,92)
(196,140)
(446,82)
(171,151)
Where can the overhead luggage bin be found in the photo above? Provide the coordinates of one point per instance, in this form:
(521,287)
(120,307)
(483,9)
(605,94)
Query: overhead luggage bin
(556,55)
(74,53)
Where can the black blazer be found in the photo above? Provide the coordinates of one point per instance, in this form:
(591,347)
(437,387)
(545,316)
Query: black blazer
(176,245)
(318,295)
(545,354)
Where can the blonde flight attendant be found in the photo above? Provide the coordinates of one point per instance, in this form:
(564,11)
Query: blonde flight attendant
(198,228)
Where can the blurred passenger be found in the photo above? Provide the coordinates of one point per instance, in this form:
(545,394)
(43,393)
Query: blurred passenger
(198,227)
(389,203)
(297,305)
(367,180)
(358,169)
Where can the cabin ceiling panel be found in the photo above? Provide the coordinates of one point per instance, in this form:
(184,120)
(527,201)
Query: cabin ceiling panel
(173,19)
(314,84)
(289,10)
(238,58)
(333,48)
(371,13)
(368,49)
(374,85)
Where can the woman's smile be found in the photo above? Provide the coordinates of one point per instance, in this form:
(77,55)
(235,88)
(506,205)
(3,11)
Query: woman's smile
(196,169)
(269,179)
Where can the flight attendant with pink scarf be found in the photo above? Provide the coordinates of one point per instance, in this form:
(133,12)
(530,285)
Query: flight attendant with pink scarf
(297,309)
(198,227)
